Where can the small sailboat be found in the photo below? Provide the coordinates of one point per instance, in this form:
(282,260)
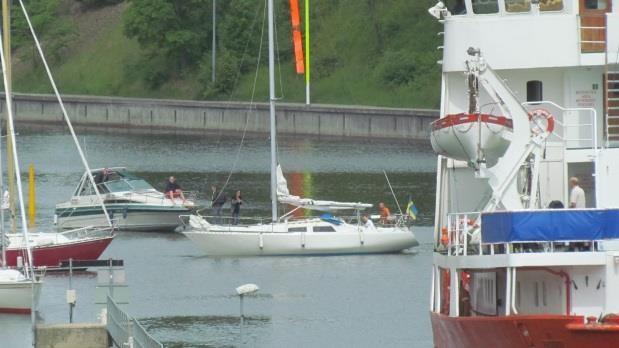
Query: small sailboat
(285,236)
(131,201)
(16,292)
(48,248)
(19,289)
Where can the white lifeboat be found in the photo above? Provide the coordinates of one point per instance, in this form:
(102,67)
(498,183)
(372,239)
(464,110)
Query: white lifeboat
(458,136)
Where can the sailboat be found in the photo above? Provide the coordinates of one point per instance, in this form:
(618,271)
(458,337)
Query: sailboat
(285,236)
(49,249)
(19,289)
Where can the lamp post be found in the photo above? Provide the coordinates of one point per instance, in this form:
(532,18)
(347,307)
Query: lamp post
(242,291)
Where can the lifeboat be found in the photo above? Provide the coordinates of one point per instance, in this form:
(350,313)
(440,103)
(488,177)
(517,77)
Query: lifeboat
(457,136)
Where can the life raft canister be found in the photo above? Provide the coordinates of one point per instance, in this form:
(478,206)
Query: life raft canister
(542,114)
(444,236)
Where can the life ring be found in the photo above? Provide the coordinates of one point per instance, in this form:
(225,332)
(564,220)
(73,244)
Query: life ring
(543,114)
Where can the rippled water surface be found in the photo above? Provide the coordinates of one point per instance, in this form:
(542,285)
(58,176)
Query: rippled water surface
(186,299)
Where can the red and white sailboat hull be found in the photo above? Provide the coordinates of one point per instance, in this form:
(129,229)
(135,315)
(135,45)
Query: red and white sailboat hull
(51,255)
(519,331)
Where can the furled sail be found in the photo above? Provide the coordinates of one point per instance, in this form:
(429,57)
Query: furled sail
(284,196)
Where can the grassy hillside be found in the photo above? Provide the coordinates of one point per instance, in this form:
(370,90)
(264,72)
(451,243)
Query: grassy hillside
(370,52)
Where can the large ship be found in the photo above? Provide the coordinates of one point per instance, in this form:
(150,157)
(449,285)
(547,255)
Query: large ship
(526,240)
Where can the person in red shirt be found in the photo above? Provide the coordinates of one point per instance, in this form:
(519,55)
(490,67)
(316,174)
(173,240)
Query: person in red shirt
(385,213)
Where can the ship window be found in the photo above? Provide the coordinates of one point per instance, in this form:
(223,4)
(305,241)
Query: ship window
(456,7)
(485,6)
(551,5)
(595,4)
(297,229)
(324,229)
(518,5)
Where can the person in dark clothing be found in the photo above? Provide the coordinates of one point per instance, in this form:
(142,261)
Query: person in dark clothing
(218,199)
(173,190)
(235,204)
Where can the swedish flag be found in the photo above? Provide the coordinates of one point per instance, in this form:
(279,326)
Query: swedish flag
(412,210)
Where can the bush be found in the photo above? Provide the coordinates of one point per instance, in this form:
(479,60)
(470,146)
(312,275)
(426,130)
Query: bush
(227,71)
(397,68)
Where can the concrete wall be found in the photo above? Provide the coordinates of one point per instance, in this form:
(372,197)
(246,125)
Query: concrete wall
(175,116)
(72,336)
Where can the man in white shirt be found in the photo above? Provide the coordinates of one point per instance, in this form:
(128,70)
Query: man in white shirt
(577,194)
(367,223)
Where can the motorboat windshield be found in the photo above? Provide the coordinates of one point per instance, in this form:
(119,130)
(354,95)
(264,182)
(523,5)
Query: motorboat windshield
(111,180)
(123,185)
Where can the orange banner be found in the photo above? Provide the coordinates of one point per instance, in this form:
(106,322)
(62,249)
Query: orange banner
(296,36)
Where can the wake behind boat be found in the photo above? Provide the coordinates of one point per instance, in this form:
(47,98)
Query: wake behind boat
(132,203)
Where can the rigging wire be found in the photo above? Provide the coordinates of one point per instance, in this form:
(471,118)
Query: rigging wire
(251,108)
(64,113)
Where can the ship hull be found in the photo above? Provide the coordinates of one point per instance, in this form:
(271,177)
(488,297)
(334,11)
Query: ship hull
(51,255)
(519,331)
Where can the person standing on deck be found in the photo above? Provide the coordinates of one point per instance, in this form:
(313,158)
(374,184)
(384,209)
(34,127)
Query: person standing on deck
(218,199)
(235,204)
(577,194)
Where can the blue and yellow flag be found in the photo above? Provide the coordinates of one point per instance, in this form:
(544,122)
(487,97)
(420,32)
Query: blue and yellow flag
(412,210)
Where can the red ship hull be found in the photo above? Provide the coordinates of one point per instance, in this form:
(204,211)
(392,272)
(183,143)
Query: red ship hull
(552,331)
(51,255)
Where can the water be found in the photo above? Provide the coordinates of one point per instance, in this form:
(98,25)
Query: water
(187,300)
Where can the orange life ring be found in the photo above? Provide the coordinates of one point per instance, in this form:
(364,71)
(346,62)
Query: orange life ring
(542,113)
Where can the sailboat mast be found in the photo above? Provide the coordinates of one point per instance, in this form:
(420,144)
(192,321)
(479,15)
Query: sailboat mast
(2,231)
(272,112)
(6,41)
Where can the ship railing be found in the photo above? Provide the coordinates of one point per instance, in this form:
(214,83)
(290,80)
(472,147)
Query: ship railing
(395,220)
(87,232)
(463,236)
(227,221)
(462,228)
(126,331)
(575,127)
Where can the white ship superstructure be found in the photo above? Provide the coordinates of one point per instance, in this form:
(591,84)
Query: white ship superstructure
(529,99)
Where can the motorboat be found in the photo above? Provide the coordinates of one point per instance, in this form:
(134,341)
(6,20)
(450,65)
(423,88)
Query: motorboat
(286,236)
(49,249)
(518,261)
(132,203)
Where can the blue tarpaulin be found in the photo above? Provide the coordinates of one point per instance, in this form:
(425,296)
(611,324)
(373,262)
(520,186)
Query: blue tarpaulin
(550,225)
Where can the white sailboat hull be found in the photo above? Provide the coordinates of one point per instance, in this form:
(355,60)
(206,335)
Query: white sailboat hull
(275,239)
(16,297)
(249,244)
